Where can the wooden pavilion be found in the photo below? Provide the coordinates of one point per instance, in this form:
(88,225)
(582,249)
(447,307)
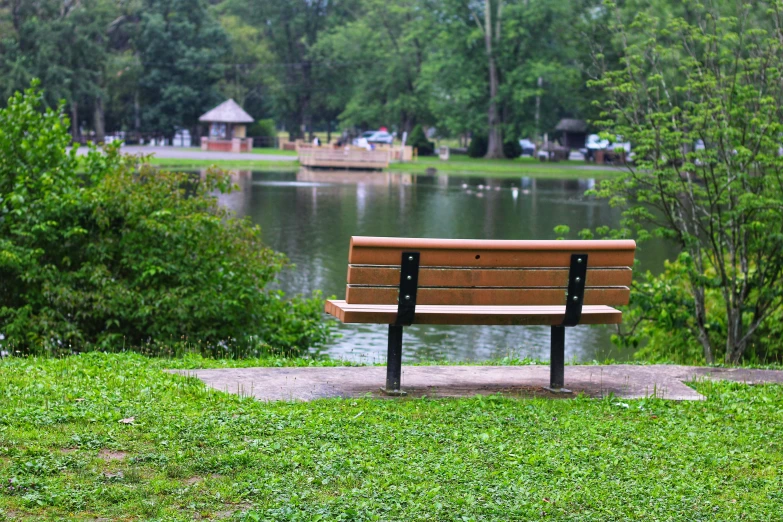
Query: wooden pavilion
(227,128)
(573,133)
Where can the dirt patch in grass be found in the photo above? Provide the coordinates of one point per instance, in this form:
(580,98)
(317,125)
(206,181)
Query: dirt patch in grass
(193,480)
(228,513)
(109,455)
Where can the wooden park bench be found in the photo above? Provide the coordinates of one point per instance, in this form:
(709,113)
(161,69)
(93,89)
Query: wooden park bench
(401,281)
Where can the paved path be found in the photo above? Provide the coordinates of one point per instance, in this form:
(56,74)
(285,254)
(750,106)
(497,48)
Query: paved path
(624,381)
(181,153)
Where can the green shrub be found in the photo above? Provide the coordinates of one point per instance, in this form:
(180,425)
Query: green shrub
(665,327)
(512,149)
(478,146)
(263,129)
(419,140)
(99,254)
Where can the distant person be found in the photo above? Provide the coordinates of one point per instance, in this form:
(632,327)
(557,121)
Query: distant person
(316,142)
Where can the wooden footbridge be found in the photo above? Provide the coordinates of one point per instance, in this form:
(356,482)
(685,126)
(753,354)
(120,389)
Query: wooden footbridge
(343,158)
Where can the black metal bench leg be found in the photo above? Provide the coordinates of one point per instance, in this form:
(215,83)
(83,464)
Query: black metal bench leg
(394,362)
(557,361)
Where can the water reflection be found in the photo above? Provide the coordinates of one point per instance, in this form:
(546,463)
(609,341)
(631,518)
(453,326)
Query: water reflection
(310,216)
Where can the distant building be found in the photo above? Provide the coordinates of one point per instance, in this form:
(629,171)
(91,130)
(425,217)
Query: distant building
(573,133)
(227,128)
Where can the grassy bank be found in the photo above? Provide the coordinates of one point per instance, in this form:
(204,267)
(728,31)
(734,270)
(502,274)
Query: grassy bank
(195,164)
(189,452)
(504,168)
(459,166)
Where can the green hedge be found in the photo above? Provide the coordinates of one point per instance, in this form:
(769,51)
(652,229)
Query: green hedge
(418,139)
(478,146)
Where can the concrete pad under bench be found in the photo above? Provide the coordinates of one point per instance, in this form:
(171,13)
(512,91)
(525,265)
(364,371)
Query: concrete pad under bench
(624,381)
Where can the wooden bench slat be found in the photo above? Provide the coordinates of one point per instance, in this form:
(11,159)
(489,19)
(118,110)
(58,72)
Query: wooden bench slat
(414,243)
(486,277)
(490,253)
(491,258)
(613,296)
(471,315)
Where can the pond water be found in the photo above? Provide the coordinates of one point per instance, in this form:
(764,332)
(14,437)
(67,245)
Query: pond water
(311,215)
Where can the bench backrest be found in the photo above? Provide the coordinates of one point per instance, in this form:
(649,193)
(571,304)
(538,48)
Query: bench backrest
(488,272)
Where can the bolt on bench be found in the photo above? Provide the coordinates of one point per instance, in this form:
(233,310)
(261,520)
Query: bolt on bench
(402,281)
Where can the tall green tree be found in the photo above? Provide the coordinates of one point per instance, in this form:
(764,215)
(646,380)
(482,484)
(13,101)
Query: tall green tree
(702,100)
(63,43)
(531,72)
(291,30)
(382,51)
(246,68)
(182,50)
(491,31)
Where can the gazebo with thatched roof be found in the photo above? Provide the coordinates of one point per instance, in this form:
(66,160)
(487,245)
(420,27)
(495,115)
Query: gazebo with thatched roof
(573,133)
(227,128)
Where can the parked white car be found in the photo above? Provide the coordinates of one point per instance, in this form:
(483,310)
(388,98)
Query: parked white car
(375,137)
(528,147)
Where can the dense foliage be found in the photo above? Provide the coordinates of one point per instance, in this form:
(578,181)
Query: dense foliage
(95,254)
(478,146)
(174,41)
(418,139)
(263,129)
(154,66)
(512,149)
(702,101)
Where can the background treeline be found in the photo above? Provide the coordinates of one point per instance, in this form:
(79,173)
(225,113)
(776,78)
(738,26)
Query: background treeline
(497,68)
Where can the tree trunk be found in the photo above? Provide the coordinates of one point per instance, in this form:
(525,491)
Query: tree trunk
(538,110)
(136,113)
(75,120)
(494,135)
(701,324)
(99,121)
(328,131)
(734,347)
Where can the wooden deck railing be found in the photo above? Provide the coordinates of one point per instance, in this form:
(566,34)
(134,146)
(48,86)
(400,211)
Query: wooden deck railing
(349,157)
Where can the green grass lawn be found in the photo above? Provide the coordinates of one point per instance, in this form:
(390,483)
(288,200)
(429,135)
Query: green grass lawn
(461,166)
(194,453)
(504,168)
(275,152)
(188,164)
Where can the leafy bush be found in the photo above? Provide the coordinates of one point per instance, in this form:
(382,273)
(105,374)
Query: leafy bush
(664,326)
(263,128)
(97,254)
(512,149)
(419,140)
(478,146)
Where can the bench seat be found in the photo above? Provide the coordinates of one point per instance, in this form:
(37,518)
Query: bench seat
(471,315)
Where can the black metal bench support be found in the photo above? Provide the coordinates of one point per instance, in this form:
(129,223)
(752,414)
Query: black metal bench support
(406,313)
(575,295)
(394,361)
(557,360)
